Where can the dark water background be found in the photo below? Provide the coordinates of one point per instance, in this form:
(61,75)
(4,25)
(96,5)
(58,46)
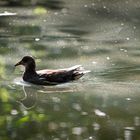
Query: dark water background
(103,36)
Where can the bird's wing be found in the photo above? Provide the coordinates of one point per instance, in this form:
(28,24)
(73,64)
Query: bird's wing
(61,75)
(49,71)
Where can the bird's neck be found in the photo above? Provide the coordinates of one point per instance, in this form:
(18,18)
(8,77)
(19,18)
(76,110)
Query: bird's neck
(30,69)
(30,73)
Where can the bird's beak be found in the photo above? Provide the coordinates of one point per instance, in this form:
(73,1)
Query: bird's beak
(19,63)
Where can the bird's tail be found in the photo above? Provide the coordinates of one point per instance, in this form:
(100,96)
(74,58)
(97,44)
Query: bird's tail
(78,71)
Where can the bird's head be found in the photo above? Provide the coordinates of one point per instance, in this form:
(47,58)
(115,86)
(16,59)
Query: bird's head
(27,61)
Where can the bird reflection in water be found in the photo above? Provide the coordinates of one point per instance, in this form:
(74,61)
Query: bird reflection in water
(29,100)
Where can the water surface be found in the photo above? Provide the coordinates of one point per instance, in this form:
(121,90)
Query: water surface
(103,36)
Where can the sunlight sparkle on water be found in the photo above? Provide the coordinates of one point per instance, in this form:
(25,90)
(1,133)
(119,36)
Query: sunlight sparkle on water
(37,39)
(94,62)
(137,121)
(25,112)
(84,113)
(128,133)
(77,130)
(96,126)
(127,38)
(6,13)
(128,99)
(134,27)
(108,58)
(76,107)
(99,113)
(56,99)
(124,50)
(14,112)
(56,13)
(90,138)
(93,4)
(85,6)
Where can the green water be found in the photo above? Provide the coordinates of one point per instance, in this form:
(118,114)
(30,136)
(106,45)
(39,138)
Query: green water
(103,36)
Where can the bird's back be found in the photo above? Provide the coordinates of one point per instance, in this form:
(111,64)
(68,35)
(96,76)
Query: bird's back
(62,75)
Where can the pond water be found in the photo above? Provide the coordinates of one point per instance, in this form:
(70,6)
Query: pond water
(103,36)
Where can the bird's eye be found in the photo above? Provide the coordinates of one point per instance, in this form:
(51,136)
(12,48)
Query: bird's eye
(25,60)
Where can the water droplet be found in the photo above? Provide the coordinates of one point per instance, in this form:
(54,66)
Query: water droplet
(99,113)
(124,50)
(134,27)
(127,38)
(37,39)
(128,99)
(56,99)
(90,138)
(84,113)
(94,62)
(96,126)
(25,112)
(76,107)
(85,6)
(56,13)
(93,4)
(14,112)
(77,130)
(108,58)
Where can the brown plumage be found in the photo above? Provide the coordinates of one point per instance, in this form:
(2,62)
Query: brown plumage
(47,76)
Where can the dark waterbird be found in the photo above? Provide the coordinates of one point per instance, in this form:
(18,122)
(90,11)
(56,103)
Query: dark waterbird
(48,76)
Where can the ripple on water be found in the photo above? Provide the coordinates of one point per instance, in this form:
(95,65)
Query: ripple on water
(19,81)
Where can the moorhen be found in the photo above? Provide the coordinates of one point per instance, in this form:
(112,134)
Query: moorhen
(47,76)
